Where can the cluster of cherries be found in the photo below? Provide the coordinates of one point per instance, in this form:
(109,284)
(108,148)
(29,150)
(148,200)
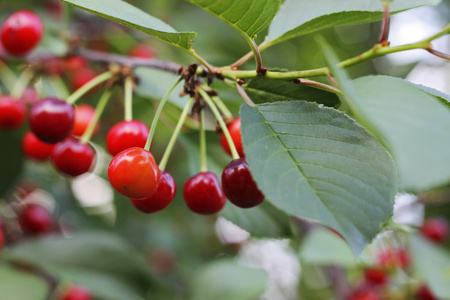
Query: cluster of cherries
(56,127)
(377,278)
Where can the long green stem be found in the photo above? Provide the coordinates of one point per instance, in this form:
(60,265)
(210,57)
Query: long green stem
(88,86)
(203,155)
(158,113)
(128,90)
(223,126)
(58,86)
(97,114)
(176,132)
(21,83)
(7,75)
(219,103)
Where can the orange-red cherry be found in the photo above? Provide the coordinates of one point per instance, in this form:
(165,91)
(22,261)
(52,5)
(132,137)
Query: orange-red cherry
(134,173)
(84,114)
(126,134)
(36,149)
(235,131)
(12,113)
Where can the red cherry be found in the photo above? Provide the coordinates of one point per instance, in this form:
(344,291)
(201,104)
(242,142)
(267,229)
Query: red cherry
(134,173)
(143,51)
(435,230)
(36,149)
(161,198)
(53,66)
(2,238)
(424,293)
(239,186)
(21,32)
(376,276)
(35,220)
(82,76)
(71,157)
(76,292)
(235,131)
(74,63)
(12,113)
(126,134)
(51,120)
(84,113)
(203,194)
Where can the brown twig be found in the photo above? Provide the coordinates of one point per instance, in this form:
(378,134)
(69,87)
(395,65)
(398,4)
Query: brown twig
(243,94)
(383,39)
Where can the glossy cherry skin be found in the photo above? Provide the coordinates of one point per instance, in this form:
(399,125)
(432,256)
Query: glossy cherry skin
(12,113)
(376,276)
(235,131)
(84,114)
(239,186)
(76,292)
(203,194)
(73,158)
(35,220)
(126,134)
(34,148)
(51,120)
(134,173)
(161,198)
(435,230)
(21,32)
(143,51)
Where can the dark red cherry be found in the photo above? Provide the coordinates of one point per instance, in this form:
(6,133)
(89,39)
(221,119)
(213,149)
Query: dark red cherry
(12,113)
(21,32)
(161,198)
(436,230)
(143,51)
(239,186)
(84,113)
(203,195)
(134,173)
(376,276)
(35,220)
(73,158)
(424,293)
(2,238)
(76,292)
(235,131)
(51,120)
(126,134)
(36,149)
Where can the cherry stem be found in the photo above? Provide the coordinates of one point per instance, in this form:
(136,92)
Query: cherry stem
(176,132)
(244,95)
(203,154)
(158,113)
(88,86)
(97,114)
(385,24)
(21,83)
(223,126)
(8,76)
(317,85)
(219,103)
(128,90)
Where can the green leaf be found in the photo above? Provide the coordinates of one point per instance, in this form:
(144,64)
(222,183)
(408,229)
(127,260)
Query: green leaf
(12,161)
(226,280)
(433,263)
(414,125)
(323,247)
(21,286)
(296,18)
(106,264)
(264,91)
(315,162)
(123,13)
(247,16)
